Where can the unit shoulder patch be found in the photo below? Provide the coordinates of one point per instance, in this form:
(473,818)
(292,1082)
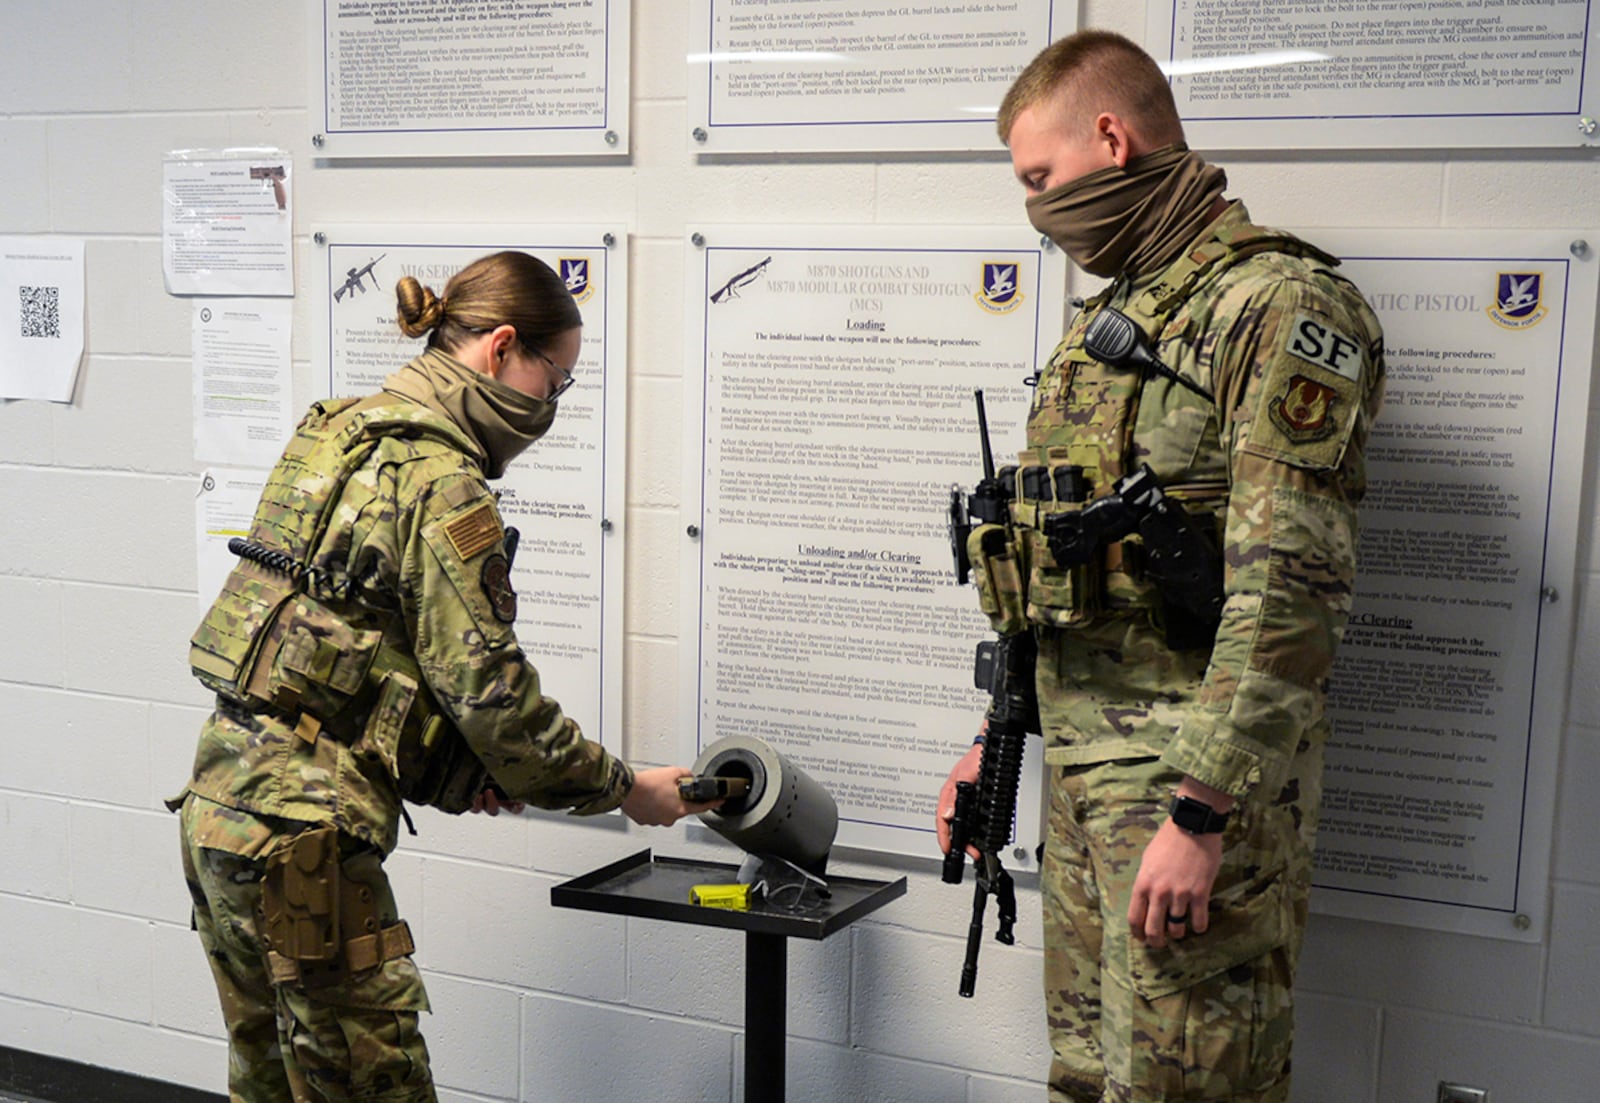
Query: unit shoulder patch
(1310,394)
(1305,410)
(496,581)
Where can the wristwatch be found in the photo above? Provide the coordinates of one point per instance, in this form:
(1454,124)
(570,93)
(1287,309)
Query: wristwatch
(1197,817)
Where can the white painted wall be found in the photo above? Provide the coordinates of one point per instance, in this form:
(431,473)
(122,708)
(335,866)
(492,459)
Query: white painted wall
(97,599)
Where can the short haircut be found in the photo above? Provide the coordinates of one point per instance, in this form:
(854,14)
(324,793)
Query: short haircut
(1091,72)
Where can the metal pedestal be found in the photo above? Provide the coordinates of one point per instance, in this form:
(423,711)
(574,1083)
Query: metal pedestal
(658,888)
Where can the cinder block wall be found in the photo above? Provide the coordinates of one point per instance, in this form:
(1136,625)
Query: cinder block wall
(97,596)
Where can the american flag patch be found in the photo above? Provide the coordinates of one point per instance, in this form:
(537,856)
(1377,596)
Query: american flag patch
(473,532)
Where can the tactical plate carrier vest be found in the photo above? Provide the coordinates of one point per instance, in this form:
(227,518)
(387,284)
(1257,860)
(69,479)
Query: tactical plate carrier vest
(284,636)
(1091,427)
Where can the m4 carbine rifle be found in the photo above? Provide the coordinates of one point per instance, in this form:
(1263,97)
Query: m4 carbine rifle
(986,812)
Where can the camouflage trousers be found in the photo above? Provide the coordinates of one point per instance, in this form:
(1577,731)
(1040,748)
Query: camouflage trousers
(1209,1017)
(356,1040)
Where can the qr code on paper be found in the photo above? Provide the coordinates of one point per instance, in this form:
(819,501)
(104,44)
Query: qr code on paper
(41,311)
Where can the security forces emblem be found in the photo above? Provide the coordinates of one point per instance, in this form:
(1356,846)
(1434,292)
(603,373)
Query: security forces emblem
(1517,300)
(1001,293)
(1303,412)
(575,274)
(496,582)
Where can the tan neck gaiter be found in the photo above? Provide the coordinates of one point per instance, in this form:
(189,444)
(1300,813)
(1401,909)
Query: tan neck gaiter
(502,419)
(1135,220)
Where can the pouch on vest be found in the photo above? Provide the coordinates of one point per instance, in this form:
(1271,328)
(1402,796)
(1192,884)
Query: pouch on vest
(999,577)
(300,901)
(448,776)
(313,661)
(1058,597)
(422,751)
(225,646)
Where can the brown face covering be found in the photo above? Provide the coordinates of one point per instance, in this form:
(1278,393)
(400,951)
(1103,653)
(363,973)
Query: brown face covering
(502,419)
(1133,220)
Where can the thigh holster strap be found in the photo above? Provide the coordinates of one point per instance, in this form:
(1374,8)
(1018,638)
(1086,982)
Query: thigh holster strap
(360,954)
(370,951)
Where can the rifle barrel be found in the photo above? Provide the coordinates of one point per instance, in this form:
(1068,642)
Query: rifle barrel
(983,436)
(969,966)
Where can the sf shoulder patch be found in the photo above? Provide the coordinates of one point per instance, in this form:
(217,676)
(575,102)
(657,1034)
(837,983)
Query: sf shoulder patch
(1315,341)
(473,532)
(1310,394)
(496,581)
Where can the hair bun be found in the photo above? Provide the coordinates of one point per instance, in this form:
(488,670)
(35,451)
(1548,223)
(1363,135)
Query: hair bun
(418,309)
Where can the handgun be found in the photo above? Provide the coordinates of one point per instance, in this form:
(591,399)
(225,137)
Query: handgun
(704,787)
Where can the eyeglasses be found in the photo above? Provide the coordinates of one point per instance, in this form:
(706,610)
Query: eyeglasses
(566,376)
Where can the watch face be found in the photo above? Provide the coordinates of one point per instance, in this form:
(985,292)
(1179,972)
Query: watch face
(1197,817)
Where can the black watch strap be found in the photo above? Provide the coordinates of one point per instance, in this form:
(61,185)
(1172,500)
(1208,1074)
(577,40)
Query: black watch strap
(1197,817)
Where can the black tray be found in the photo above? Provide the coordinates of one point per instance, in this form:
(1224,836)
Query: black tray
(658,888)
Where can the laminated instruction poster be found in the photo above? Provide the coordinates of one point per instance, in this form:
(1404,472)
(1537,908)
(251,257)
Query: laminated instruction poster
(1379,74)
(227,222)
(791,75)
(469,78)
(565,493)
(1449,689)
(829,411)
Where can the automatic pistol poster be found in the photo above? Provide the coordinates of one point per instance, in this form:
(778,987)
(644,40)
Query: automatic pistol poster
(1449,689)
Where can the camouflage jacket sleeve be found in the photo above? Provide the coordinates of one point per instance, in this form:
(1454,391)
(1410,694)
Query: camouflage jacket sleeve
(458,605)
(1298,374)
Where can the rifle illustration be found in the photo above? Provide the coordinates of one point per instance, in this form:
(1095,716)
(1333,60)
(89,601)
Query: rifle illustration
(354,277)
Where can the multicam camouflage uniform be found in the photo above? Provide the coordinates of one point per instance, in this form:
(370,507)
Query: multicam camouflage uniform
(401,612)
(358,1039)
(1294,358)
